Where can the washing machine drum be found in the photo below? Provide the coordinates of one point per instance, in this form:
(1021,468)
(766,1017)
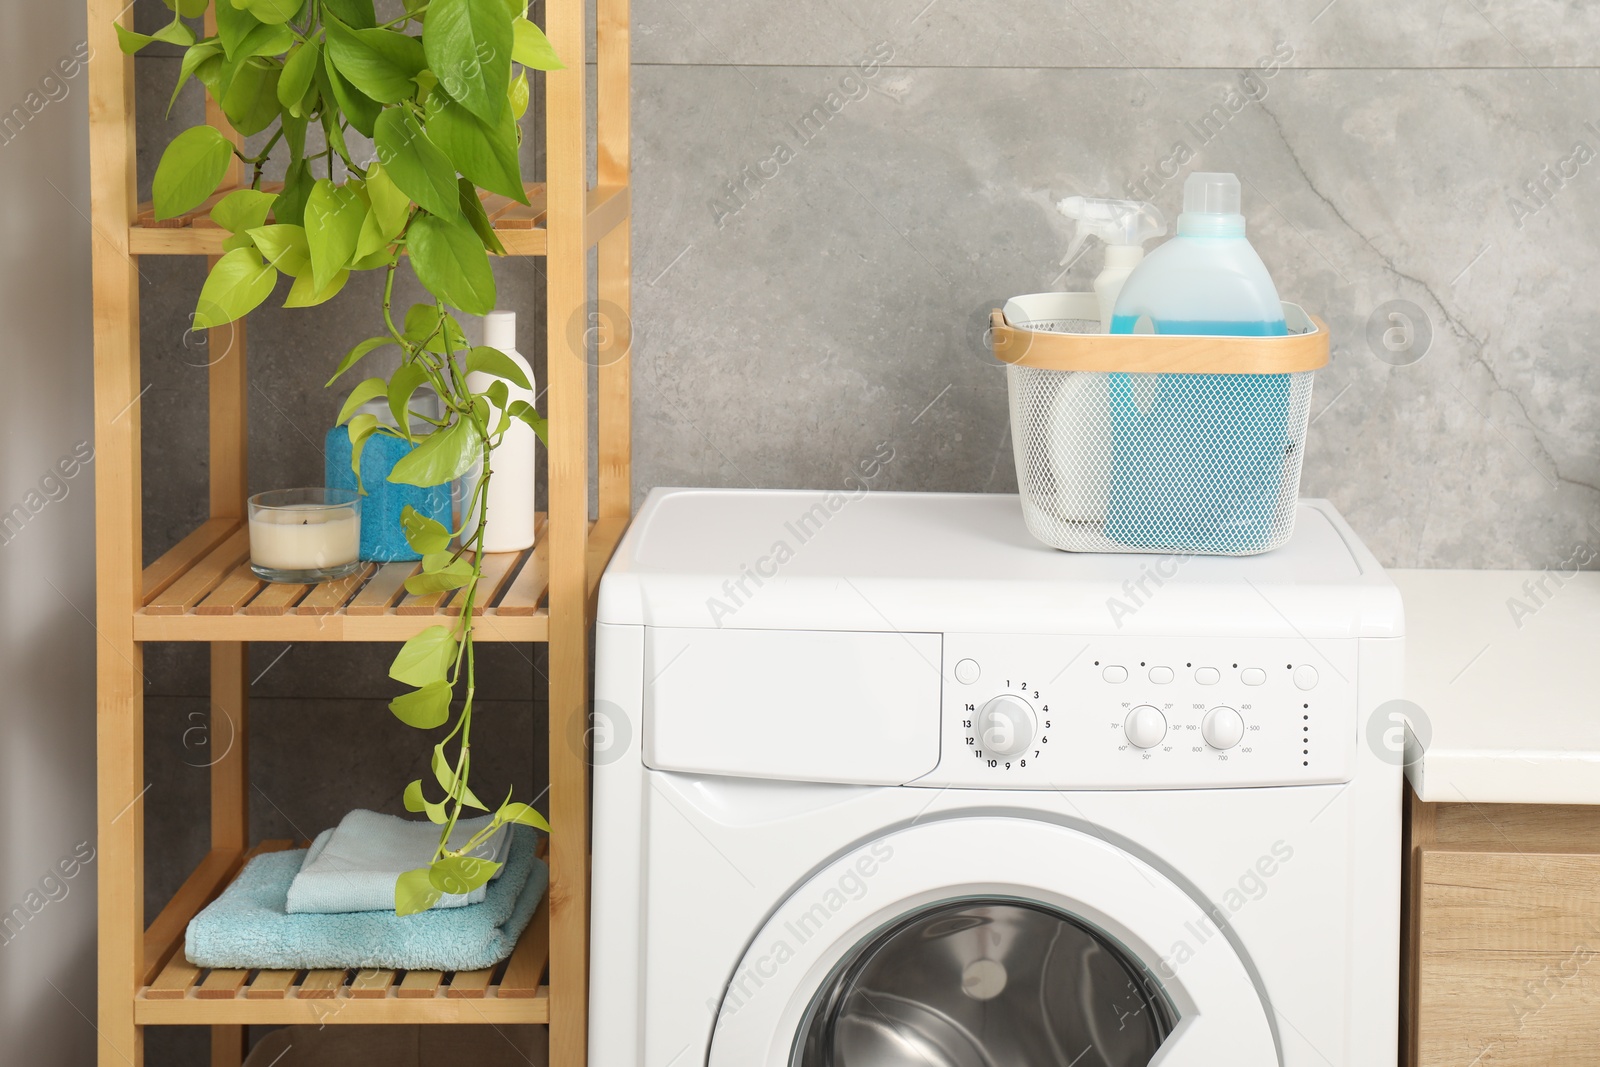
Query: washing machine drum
(986,983)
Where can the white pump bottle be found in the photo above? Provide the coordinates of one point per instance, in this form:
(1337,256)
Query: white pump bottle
(1124,226)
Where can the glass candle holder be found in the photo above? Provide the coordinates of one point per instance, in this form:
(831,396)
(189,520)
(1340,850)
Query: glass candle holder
(305,535)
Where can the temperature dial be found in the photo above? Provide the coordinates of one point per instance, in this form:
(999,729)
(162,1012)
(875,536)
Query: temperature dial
(1145,726)
(1006,726)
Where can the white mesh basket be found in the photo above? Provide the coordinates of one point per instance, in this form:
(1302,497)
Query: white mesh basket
(1198,450)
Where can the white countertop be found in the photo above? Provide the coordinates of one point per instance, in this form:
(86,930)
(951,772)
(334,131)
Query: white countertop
(1506,674)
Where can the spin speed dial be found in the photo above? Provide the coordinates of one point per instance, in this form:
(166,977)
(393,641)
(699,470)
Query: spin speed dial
(1006,725)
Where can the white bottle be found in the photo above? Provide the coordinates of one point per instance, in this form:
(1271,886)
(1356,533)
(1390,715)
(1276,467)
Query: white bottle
(1124,226)
(1079,447)
(511,488)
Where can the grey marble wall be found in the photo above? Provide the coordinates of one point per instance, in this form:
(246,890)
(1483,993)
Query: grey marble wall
(809,287)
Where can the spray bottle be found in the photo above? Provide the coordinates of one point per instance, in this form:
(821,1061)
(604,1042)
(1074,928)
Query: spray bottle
(1124,226)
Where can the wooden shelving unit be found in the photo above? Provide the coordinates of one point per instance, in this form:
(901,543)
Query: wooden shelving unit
(201,590)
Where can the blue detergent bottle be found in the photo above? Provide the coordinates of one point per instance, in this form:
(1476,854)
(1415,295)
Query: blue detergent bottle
(383,539)
(1198,459)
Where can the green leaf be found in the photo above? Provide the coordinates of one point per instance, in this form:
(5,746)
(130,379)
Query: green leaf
(192,58)
(532,47)
(360,109)
(469,44)
(297,183)
(381,63)
(251,102)
(274,12)
(262,40)
(519,813)
(451,263)
(443,456)
(461,874)
(451,576)
(424,708)
(192,167)
(445,775)
(294,134)
(484,152)
(371,389)
(358,353)
(426,658)
(357,13)
(303,293)
(284,246)
(237,285)
(402,384)
(390,206)
(495,362)
(414,893)
(233,26)
(422,320)
(362,427)
(521,409)
(472,210)
(334,214)
(298,71)
(518,95)
(238,240)
(423,534)
(175,32)
(243,209)
(415,163)
(414,798)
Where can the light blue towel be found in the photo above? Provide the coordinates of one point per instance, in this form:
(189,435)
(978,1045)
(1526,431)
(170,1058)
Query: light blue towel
(354,866)
(248,926)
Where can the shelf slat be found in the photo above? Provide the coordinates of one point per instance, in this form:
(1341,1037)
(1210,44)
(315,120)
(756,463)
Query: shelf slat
(420,985)
(271,985)
(207,593)
(371,985)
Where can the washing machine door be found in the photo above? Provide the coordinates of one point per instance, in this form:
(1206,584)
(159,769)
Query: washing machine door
(991,942)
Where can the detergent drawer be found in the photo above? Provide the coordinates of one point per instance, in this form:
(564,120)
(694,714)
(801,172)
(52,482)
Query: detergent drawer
(793,705)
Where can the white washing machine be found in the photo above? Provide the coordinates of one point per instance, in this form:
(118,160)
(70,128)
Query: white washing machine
(880,781)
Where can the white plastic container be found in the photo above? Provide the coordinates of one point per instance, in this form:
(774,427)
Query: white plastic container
(511,490)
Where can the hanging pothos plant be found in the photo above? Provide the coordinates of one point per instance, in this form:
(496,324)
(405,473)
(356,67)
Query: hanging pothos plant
(441,107)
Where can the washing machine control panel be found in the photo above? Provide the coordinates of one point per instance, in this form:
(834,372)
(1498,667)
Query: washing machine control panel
(1027,711)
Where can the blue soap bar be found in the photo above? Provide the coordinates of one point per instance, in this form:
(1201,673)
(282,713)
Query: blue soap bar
(383,539)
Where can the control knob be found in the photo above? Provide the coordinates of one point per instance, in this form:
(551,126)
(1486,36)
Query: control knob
(1006,726)
(1145,726)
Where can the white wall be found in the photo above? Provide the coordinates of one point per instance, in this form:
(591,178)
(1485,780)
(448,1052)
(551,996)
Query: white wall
(47,956)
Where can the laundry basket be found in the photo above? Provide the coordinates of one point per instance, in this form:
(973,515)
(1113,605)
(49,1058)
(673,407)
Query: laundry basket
(1155,443)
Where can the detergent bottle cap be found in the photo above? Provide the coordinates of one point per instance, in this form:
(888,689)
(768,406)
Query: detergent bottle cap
(1211,206)
(1116,222)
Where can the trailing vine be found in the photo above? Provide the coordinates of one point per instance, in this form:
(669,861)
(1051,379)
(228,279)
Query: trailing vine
(441,108)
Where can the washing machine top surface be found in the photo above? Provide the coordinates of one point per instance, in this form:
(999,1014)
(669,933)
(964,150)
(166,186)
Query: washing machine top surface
(782,559)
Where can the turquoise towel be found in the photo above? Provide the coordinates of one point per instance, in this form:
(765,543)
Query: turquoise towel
(248,926)
(354,866)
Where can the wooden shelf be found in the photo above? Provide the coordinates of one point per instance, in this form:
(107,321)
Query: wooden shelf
(203,590)
(178,993)
(521,228)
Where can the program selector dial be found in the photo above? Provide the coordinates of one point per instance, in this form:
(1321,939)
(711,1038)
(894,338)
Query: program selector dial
(1006,726)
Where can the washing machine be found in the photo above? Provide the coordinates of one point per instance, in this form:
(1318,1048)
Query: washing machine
(880,781)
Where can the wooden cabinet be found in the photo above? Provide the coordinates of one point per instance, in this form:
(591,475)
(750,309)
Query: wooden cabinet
(1502,935)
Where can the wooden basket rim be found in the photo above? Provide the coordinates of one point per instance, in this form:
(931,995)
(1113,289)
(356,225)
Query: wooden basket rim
(1163,353)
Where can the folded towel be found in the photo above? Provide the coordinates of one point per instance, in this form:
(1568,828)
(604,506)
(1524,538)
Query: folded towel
(248,926)
(354,866)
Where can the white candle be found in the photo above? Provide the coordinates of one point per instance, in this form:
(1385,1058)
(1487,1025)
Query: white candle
(304,537)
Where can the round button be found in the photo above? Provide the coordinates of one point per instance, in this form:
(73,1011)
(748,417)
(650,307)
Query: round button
(1161,675)
(1253,676)
(1208,676)
(967,671)
(1222,728)
(1145,726)
(1115,675)
(1005,726)
(1305,676)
